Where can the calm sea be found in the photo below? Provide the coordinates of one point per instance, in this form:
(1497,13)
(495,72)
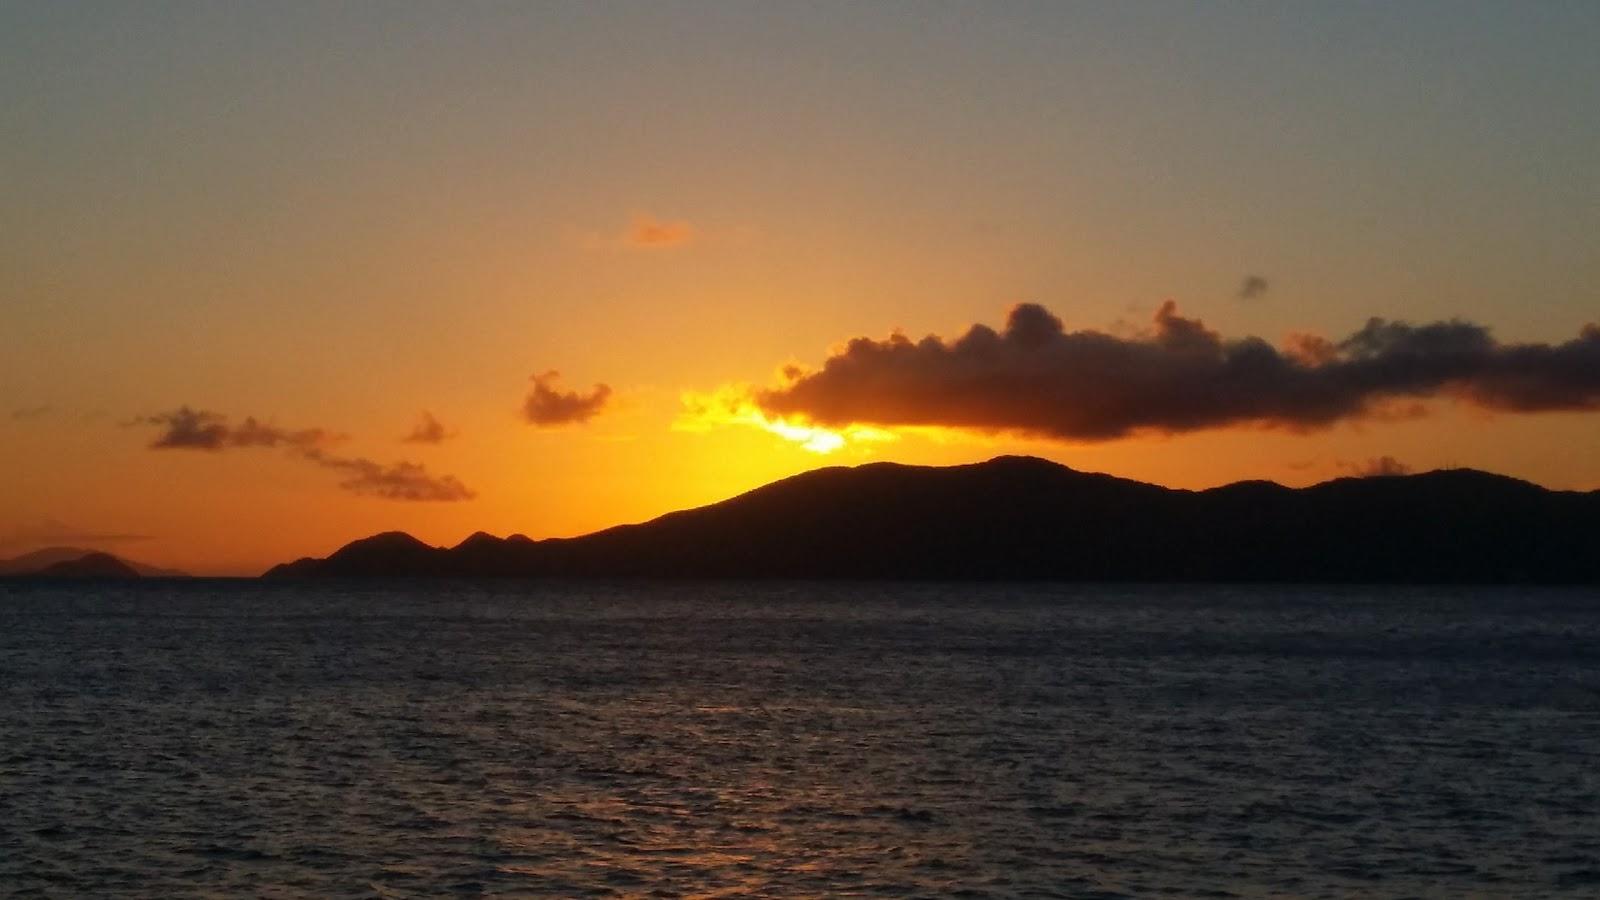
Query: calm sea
(580,739)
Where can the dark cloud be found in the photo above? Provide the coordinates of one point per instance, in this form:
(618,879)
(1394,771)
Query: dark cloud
(1377,467)
(1178,376)
(396,481)
(28,413)
(190,429)
(547,405)
(1251,287)
(428,430)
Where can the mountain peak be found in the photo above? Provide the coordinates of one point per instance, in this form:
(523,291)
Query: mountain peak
(1019,461)
(92,565)
(387,540)
(38,560)
(478,539)
(389,553)
(398,537)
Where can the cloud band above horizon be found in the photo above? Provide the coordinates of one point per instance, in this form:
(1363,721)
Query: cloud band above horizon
(186,428)
(1035,378)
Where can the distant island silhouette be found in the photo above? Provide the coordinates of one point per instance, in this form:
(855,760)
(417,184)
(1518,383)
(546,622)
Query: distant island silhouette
(1028,519)
(78,562)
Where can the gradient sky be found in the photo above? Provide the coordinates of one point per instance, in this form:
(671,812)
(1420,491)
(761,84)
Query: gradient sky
(339,216)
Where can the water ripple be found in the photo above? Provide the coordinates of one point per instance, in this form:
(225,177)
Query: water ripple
(587,739)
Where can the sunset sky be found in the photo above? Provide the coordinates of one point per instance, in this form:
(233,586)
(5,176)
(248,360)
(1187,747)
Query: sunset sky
(277,276)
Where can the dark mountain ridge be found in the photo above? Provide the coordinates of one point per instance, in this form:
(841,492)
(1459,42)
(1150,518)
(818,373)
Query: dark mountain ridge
(1027,518)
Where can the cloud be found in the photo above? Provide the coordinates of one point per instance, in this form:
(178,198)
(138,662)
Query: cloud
(28,413)
(189,429)
(1251,287)
(649,233)
(192,429)
(546,405)
(646,233)
(1176,376)
(53,531)
(1377,467)
(428,430)
(396,481)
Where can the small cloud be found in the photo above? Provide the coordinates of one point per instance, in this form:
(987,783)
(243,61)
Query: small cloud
(191,429)
(428,430)
(546,405)
(198,429)
(396,481)
(1251,287)
(1377,467)
(649,233)
(29,413)
(644,232)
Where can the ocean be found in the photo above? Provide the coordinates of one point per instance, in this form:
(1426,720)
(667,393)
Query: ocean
(236,738)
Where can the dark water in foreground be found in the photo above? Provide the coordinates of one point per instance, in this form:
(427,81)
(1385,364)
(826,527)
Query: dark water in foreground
(482,738)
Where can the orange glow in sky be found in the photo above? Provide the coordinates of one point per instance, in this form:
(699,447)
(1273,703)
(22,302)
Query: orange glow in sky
(397,232)
(733,406)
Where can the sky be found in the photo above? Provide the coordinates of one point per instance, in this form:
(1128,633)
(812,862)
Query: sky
(277,276)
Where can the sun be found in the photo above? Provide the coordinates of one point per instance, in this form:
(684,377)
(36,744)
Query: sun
(732,405)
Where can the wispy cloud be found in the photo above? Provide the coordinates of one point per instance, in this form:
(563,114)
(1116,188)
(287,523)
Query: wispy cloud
(643,232)
(547,405)
(196,429)
(190,429)
(650,233)
(428,430)
(394,481)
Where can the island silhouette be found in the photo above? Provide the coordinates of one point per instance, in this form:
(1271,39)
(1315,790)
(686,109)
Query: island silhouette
(79,562)
(1025,518)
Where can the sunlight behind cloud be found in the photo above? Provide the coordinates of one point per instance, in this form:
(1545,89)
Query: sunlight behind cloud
(731,405)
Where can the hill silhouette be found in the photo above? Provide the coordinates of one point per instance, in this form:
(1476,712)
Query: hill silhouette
(94,565)
(1027,518)
(37,561)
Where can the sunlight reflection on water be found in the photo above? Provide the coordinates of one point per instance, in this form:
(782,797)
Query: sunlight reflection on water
(728,739)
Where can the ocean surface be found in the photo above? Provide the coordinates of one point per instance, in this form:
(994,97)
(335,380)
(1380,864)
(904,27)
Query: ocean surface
(597,739)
